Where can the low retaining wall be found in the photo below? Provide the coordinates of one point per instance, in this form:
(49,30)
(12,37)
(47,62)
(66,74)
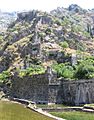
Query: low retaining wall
(88,110)
(62,109)
(22,101)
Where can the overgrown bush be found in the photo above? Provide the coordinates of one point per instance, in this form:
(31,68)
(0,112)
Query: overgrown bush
(34,69)
(85,69)
(4,76)
(64,44)
(64,70)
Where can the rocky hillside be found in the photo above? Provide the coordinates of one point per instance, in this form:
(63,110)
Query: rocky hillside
(5,19)
(37,37)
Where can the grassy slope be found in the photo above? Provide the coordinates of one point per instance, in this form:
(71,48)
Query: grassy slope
(13,111)
(75,115)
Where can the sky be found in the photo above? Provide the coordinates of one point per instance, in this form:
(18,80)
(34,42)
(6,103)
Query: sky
(44,5)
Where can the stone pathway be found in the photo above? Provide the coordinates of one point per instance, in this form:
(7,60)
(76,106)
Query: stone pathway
(48,114)
(39,110)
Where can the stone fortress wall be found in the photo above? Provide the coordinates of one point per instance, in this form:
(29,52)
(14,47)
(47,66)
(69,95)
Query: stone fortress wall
(41,88)
(46,88)
(78,92)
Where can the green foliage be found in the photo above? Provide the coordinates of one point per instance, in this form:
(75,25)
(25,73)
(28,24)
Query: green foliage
(64,44)
(80,46)
(34,69)
(85,69)
(76,28)
(41,34)
(4,76)
(64,70)
(68,72)
(86,34)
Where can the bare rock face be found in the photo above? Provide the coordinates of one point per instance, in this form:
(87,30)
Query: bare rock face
(28,16)
(75,8)
(5,19)
(46,20)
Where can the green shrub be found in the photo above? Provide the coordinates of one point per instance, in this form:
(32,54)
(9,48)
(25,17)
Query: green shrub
(64,44)
(64,70)
(4,76)
(68,72)
(85,69)
(34,69)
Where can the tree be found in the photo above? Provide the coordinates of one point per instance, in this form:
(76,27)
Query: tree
(85,69)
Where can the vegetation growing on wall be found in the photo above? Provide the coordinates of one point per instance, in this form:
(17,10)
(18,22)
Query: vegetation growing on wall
(64,70)
(34,69)
(83,70)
